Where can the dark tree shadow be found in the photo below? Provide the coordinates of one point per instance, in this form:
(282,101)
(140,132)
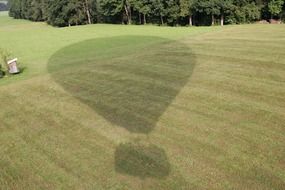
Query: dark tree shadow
(129,80)
(141,161)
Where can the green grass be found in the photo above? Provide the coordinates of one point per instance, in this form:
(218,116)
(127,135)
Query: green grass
(3,13)
(143,107)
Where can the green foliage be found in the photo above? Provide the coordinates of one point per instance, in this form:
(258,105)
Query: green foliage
(56,12)
(186,7)
(159,9)
(172,12)
(143,7)
(275,7)
(4,57)
(2,73)
(283,16)
(64,13)
(111,7)
(244,13)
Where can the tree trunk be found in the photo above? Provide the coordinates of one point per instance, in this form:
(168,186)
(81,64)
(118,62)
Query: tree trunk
(213,20)
(144,18)
(161,19)
(190,21)
(222,19)
(127,14)
(140,18)
(98,16)
(87,12)
(130,21)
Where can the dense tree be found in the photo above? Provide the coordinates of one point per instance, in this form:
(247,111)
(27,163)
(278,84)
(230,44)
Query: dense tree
(15,9)
(171,12)
(275,7)
(143,7)
(213,8)
(112,9)
(187,8)
(225,7)
(159,9)
(244,11)
(283,13)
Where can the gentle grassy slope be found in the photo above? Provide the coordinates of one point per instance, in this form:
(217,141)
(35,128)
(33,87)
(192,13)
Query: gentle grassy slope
(214,105)
(34,43)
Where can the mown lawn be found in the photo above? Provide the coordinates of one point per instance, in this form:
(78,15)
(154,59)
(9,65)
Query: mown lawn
(143,107)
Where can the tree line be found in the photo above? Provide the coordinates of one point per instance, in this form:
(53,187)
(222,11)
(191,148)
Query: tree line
(163,12)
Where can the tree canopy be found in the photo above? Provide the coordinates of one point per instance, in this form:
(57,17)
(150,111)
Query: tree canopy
(171,12)
(275,7)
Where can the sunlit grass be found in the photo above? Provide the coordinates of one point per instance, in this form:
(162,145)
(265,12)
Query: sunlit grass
(217,119)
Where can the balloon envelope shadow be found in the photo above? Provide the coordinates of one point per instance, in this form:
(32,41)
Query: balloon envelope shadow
(129,80)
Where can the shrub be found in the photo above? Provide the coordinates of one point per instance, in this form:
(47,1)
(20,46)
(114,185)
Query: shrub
(5,55)
(2,73)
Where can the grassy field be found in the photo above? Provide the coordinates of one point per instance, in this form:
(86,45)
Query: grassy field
(143,107)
